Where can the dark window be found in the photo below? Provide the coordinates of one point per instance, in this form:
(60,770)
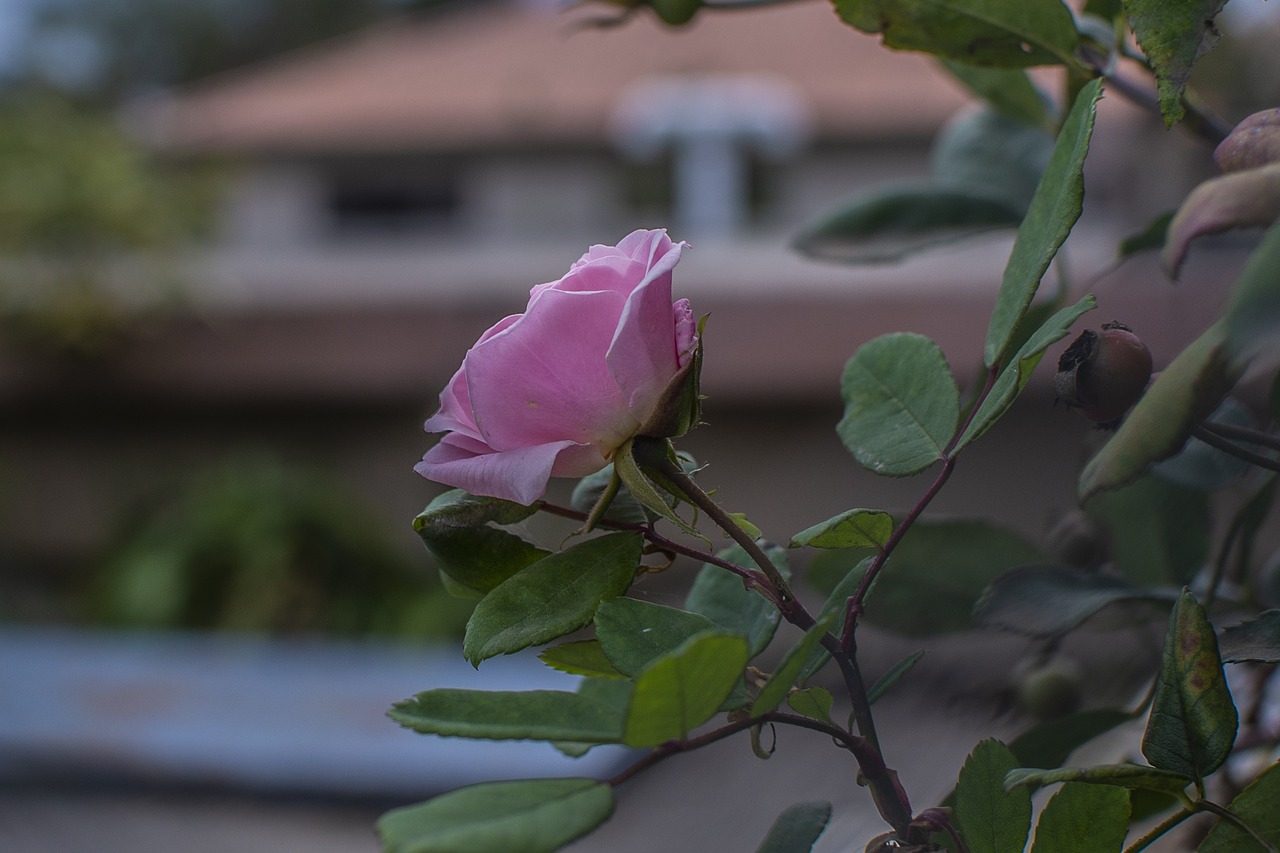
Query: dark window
(361,204)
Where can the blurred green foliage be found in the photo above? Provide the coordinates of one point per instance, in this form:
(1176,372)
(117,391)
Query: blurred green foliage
(255,545)
(88,225)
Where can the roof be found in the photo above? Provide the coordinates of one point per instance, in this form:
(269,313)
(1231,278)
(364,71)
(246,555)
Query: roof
(512,74)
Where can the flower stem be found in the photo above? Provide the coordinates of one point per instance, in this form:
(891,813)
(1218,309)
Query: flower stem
(1216,437)
(846,740)
(854,607)
(890,798)
(1160,829)
(1203,124)
(655,456)
(752,579)
(1245,434)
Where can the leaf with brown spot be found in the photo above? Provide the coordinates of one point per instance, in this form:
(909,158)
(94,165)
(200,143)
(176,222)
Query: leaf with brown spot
(1193,719)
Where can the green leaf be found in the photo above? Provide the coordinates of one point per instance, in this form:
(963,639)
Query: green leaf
(991,819)
(554,596)
(740,519)
(1253,314)
(1256,639)
(1158,531)
(1193,720)
(935,576)
(1136,776)
(530,816)
(797,829)
(644,490)
(812,702)
(1016,33)
(1148,239)
(1053,212)
(789,669)
(1185,393)
(510,715)
(885,682)
(854,528)
(894,223)
(901,404)
(634,633)
(1256,806)
(1014,377)
(1173,34)
(682,690)
(992,156)
(1009,90)
(580,657)
(458,530)
(1083,819)
(1049,601)
(614,693)
(624,507)
(1049,744)
(720,596)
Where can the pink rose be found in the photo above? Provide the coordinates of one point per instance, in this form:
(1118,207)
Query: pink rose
(553,392)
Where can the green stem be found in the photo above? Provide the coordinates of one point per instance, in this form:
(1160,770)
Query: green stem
(752,579)
(655,455)
(853,608)
(1228,815)
(602,503)
(1160,829)
(1212,436)
(889,796)
(1202,124)
(673,747)
(1245,434)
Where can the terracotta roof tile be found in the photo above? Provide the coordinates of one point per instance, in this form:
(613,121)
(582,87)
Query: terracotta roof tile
(510,74)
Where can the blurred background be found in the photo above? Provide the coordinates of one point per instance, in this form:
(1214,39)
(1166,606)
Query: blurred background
(244,244)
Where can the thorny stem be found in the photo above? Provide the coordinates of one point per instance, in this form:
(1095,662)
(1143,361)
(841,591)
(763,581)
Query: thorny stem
(1160,829)
(851,742)
(1206,126)
(890,798)
(1248,436)
(854,607)
(703,501)
(753,580)
(1212,435)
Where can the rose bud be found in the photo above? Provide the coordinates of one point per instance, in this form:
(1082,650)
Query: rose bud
(597,357)
(1102,374)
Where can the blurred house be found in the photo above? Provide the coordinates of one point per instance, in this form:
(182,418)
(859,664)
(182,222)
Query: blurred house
(397,191)
(509,121)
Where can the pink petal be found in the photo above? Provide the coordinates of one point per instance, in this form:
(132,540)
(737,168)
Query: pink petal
(615,273)
(643,355)
(515,475)
(455,408)
(455,400)
(646,246)
(544,380)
